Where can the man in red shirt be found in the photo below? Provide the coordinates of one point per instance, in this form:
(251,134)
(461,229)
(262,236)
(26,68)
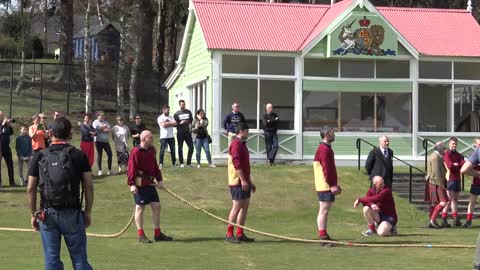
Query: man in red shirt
(474,189)
(240,182)
(379,208)
(144,177)
(326,185)
(453,162)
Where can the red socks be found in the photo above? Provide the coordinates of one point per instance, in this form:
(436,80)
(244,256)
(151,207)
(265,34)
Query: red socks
(469,216)
(239,231)
(229,230)
(444,215)
(435,212)
(156,232)
(140,232)
(372,227)
(454,215)
(322,232)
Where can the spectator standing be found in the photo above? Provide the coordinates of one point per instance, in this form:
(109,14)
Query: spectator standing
(380,162)
(103,129)
(184,118)
(6,131)
(232,120)
(144,176)
(60,172)
(38,134)
(435,191)
(55,115)
(136,129)
(23,147)
(120,135)
(270,127)
(87,138)
(453,162)
(166,124)
(200,134)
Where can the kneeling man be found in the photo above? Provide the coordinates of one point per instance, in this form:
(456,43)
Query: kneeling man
(379,209)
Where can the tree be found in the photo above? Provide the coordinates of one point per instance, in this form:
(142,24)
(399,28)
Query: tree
(121,68)
(86,58)
(66,36)
(161,27)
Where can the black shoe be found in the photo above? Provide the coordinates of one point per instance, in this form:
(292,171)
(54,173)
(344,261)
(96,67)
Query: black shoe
(467,224)
(144,239)
(445,223)
(457,223)
(244,238)
(232,240)
(163,237)
(326,237)
(433,225)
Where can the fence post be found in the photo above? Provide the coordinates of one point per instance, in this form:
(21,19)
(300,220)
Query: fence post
(425,147)
(68,88)
(359,147)
(463,182)
(41,87)
(11,92)
(410,186)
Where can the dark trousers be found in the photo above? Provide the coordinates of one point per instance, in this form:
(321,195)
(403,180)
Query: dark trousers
(271,144)
(103,146)
(171,145)
(7,156)
(187,138)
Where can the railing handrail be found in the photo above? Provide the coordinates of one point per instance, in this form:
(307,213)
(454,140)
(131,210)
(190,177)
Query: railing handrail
(360,140)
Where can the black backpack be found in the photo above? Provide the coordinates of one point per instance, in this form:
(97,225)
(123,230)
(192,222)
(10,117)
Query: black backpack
(59,184)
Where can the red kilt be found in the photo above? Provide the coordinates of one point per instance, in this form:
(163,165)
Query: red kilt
(435,194)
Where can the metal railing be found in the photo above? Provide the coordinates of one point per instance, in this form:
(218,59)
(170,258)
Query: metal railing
(425,147)
(410,166)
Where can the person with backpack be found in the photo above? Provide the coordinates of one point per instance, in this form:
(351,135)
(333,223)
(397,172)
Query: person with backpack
(201,137)
(63,175)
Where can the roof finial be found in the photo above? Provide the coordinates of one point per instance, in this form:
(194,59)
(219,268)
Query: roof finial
(469,6)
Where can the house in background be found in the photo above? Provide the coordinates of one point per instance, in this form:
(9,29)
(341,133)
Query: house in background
(104,43)
(409,73)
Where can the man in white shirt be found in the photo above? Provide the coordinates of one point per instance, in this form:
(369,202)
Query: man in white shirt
(166,123)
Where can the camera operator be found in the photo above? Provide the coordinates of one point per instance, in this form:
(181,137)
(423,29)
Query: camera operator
(6,131)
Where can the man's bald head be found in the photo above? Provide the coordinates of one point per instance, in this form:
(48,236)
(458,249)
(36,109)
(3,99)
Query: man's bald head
(146,138)
(439,147)
(378,182)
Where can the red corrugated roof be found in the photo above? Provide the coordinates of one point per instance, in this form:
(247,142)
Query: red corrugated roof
(436,32)
(257,26)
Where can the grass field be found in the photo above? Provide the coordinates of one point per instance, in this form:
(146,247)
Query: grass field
(285,203)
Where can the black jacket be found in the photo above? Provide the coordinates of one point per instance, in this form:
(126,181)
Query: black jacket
(377,164)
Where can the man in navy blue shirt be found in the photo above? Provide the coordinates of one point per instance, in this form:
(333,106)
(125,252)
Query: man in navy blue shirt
(6,131)
(232,120)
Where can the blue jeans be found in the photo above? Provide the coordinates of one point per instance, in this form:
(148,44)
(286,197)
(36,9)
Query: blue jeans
(199,143)
(271,145)
(68,223)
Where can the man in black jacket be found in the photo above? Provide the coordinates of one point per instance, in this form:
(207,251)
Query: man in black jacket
(184,118)
(380,161)
(270,127)
(6,131)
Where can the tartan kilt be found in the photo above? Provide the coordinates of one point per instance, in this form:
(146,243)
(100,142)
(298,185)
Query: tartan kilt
(435,194)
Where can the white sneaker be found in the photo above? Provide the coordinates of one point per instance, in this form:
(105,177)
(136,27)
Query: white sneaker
(212,166)
(160,166)
(100,173)
(182,165)
(120,169)
(109,172)
(198,166)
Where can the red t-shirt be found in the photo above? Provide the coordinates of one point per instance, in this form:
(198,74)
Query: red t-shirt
(453,171)
(383,199)
(144,160)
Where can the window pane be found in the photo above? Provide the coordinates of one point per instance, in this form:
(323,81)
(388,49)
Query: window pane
(356,69)
(467,71)
(357,112)
(434,107)
(241,64)
(467,104)
(319,109)
(435,70)
(282,96)
(320,67)
(393,69)
(394,112)
(277,65)
(245,93)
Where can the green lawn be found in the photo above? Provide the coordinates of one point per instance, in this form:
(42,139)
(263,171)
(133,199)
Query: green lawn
(285,204)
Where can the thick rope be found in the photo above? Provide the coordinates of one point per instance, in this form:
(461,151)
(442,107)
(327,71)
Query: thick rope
(295,239)
(115,235)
